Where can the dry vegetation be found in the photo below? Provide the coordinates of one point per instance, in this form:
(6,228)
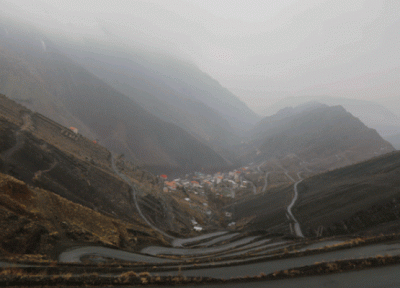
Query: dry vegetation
(34,215)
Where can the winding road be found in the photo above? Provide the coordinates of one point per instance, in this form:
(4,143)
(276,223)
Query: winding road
(290,177)
(175,242)
(297,229)
(133,188)
(266,182)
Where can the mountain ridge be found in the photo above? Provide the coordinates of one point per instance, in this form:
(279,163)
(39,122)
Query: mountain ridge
(315,133)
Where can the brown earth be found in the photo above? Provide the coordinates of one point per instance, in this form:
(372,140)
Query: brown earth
(36,221)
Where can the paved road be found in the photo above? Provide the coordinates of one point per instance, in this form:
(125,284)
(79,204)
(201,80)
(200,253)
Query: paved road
(158,250)
(133,188)
(180,242)
(369,278)
(266,182)
(290,177)
(75,255)
(217,240)
(258,167)
(270,266)
(297,228)
(254,188)
(41,172)
(176,242)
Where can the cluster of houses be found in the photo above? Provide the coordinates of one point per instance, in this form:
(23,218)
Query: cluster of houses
(220,183)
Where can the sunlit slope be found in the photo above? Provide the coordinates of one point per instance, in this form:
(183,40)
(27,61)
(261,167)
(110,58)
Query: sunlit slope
(116,120)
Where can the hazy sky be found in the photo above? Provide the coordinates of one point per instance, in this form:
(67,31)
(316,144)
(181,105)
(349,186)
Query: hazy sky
(252,10)
(261,50)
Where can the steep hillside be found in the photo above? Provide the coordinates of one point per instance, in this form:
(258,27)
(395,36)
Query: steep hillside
(362,198)
(355,198)
(60,86)
(153,93)
(166,78)
(171,89)
(36,221)
(45,154)
(314,133)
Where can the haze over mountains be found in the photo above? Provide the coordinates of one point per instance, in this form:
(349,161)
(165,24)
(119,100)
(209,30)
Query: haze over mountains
(148,94)
(63,90)
(175,91)
(129,142)
(313,132)
(297,48)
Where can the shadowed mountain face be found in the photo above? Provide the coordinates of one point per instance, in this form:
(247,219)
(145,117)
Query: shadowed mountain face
(158,87)
(37,74)
(360,198)
(352,198)
(315,131)
(173,90)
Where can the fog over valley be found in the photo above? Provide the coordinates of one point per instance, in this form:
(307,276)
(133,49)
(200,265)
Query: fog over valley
(260,51)
(163,142)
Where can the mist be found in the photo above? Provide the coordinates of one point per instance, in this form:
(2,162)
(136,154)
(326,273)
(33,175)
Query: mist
(261,51)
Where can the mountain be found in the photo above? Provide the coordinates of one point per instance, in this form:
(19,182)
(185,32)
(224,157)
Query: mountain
(370,113)
(166,86)
(170,88)
(70,168)
(37,74)
(167,96)
(314,132)
(362,198)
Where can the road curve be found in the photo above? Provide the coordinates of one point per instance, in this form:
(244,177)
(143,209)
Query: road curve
(133,188)
(175,242)
(266,182)
(297,228)
(290,177)
(368,278)
(75,255)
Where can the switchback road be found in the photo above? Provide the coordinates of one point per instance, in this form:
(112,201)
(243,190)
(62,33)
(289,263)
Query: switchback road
(297,228)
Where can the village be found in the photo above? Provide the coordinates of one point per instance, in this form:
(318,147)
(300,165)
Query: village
(221,187)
